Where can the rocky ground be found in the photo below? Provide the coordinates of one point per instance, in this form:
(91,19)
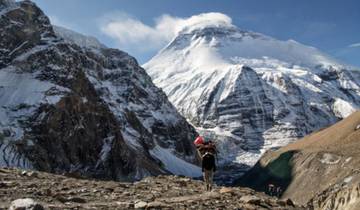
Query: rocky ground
(161,192)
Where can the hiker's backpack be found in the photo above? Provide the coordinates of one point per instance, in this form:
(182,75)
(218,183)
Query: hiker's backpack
(199,140)
(207,147)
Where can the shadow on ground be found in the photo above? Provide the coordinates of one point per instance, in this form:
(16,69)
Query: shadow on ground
(226,175)
(278,173)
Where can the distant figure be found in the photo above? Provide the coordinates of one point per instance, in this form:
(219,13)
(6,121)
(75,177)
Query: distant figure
(278,191)
(271,189)
(207,151)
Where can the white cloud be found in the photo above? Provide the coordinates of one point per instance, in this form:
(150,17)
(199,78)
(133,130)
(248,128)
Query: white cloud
(130,32)
(355,45)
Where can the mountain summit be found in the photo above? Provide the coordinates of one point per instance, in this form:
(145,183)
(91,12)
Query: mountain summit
(251,92)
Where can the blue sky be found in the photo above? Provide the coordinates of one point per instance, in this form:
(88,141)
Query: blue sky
(142,27)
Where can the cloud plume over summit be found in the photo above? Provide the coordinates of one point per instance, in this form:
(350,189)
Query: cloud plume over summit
(130,32)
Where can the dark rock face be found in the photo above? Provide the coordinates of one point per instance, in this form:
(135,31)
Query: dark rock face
(21,28)
(91,111)
(256,110)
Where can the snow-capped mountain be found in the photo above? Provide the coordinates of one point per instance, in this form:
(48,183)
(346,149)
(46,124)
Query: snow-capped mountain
(249,91)
(69,104)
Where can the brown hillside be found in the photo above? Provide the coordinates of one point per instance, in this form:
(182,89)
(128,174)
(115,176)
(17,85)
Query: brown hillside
(341,137)
(316,165)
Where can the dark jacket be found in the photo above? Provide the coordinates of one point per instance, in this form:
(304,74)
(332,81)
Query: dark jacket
(208,162)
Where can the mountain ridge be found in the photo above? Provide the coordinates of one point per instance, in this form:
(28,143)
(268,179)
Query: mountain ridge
(67,108)
(78,38)
(250,92)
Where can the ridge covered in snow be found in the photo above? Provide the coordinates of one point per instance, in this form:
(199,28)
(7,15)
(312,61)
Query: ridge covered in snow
(251,92)
(77,38)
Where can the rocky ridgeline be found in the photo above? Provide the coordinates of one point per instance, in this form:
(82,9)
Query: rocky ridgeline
(71,108)
(161,192)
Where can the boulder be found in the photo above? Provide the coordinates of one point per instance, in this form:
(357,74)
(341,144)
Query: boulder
(140,205)
(226,190)
(157,205)
(250,199)
(25,204)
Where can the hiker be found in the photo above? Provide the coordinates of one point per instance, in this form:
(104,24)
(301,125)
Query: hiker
(207,151)
(271,189)
(278,191)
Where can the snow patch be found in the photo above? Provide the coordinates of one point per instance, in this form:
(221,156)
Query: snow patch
(131,136)
(106,148)
(174,164)
(342,108)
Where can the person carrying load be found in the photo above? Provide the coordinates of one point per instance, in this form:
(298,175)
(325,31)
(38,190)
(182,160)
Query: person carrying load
(207,152)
